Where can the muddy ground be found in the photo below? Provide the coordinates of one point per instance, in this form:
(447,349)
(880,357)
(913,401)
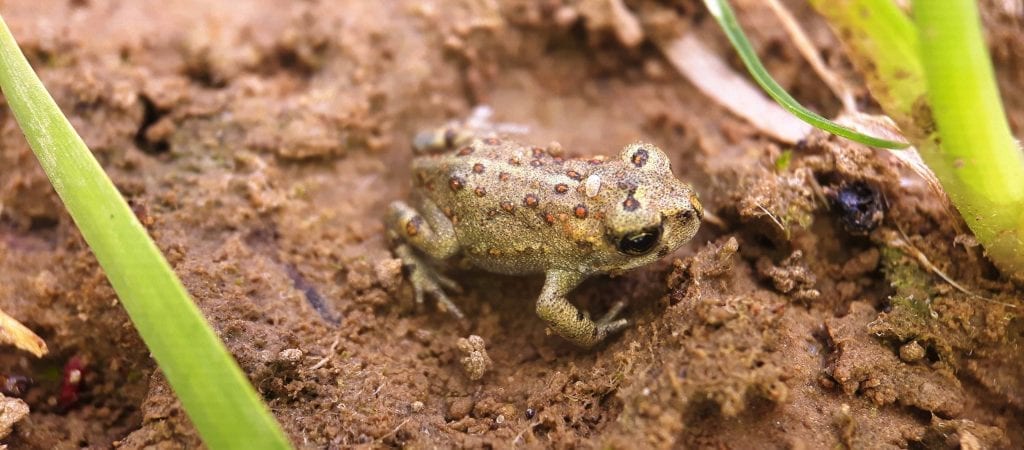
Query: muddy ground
(259,142)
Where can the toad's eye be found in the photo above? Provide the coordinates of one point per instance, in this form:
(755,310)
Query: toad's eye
(640,242)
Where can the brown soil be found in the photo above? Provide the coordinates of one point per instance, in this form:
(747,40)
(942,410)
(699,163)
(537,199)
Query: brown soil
(259,144)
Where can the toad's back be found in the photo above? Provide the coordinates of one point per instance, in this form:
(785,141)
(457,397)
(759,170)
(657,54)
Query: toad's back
(517,209)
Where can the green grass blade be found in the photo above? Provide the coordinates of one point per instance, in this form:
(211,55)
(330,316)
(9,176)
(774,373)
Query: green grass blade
(980,164)
(215,393)
(722,12)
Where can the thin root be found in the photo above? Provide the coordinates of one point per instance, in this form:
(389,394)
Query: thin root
(774,218)
(905,245)
(330,354)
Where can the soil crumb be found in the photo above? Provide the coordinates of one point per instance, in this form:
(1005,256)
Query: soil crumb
(476,362)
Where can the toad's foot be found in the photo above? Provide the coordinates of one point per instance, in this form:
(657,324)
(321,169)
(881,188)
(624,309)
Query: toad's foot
(569,322)
(426,280)
(608,323)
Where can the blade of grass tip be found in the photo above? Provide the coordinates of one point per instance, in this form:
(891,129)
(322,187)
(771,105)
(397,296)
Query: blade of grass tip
(723,14)
(980,163)
(215,393)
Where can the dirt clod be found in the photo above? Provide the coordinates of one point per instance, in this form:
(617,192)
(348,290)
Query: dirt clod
(12,411)
(476,362)
(459,407)
(790,276)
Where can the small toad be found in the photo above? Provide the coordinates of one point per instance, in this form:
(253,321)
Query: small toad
(508,208)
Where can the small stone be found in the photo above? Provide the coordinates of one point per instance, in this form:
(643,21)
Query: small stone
(627,26)
(290,355)
(566,16)
(555,149)
(969,442)
(654,69)
(911,352)
(476,362)
(416,406)
(45,284)
(389,273)
(459,408)
(507,410)
(12,410)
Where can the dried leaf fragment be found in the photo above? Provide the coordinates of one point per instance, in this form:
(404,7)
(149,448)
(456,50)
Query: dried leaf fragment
(14,333)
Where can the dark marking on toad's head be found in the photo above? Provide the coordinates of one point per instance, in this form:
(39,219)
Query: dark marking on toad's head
(456,183)
(646,157)
(640,157)
(630,204)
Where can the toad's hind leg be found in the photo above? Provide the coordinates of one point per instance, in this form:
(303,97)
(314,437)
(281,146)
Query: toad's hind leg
(427,233)
(568,321)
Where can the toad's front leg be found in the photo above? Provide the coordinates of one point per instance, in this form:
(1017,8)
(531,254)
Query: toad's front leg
(568,321)
(425,232)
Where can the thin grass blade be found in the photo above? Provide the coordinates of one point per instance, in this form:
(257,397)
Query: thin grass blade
(723,13)
(216,395)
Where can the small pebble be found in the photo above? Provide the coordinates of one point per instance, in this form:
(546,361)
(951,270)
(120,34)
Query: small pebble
(389,273)
(911,352)
(555,149)
(290,355)
(459,408)
(476,362)
(417,406)
(566,16)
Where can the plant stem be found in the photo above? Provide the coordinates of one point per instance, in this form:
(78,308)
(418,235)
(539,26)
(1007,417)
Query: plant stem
(979,163)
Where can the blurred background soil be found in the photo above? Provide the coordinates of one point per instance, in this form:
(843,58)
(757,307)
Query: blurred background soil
(260,141)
